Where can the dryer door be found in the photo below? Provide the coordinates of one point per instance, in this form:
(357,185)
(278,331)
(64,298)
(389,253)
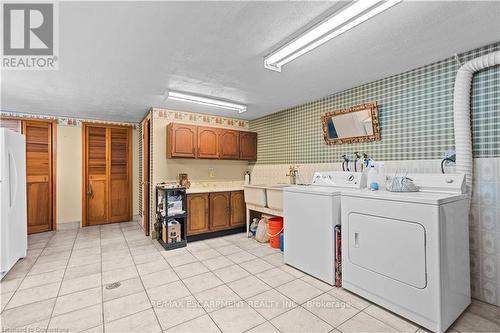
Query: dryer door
(389,247)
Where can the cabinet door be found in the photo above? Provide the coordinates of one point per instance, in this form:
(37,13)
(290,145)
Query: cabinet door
(219,211)
(208,142)
(38,175)
(197,213)
(181,140)
(238,209)
(229,145)
(248,146)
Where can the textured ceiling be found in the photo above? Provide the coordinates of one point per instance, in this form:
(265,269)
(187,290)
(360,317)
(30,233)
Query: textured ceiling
(118,59)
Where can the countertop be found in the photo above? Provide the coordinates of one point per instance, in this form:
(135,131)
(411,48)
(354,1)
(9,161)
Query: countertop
(213,189)
(210,187)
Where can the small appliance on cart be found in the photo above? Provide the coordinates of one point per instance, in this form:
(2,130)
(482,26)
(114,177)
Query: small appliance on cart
(171,216)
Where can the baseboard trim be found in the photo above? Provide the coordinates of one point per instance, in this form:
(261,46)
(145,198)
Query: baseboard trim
(68,225)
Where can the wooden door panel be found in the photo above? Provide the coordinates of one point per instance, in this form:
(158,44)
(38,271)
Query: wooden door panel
(97,209)
(39,175)
(96,182)
(248,146)
(198,213)
(119,186)
(119,200)
(219,211)
(38,203)
(238,209)
(229,144)
(96,150)
(208,142)
(181,140)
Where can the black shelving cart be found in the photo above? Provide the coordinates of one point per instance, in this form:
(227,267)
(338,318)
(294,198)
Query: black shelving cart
(171,216)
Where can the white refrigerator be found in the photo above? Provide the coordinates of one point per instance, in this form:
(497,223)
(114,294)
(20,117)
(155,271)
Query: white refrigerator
(13,223)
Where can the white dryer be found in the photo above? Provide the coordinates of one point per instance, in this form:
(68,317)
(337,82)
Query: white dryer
(311,214)
(409,252)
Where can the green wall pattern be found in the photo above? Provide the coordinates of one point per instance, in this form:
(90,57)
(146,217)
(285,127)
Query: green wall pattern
(416,116)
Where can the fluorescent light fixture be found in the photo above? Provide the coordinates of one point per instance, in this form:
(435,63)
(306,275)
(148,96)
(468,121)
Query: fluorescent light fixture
(178,96)
(340,22)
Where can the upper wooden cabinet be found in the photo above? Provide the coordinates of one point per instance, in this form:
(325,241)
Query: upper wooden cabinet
(208,142)
(248,146)
(181,140)
(190,141)
(229,144)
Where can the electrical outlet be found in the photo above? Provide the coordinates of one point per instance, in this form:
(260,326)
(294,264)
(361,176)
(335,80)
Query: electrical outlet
(211,172)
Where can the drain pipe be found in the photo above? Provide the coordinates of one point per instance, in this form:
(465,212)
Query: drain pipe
(461,112)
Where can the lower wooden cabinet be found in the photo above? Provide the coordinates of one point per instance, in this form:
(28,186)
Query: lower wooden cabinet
(219,210)
(238,209)
(197,211)
(209,212)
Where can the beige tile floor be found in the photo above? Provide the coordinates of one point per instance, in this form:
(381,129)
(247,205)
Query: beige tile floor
(229,284)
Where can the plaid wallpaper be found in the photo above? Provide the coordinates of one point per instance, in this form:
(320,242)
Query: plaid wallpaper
(416,117)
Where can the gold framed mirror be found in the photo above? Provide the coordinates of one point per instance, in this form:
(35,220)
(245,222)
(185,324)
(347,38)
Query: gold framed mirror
(356,124)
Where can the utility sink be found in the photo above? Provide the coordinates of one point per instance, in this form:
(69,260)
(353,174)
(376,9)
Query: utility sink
(255,195)
(275,196)
(270,196)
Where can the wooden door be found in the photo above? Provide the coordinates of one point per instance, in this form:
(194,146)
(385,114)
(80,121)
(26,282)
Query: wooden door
(229,144)
(208,142)
(198,213)
(120,173)
(248,146)
(39,175)
(238,209)
(181,140)
(145,175)
(96,182)
(107,174)
(219,211)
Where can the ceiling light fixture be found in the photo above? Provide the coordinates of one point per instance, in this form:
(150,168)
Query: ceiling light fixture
(178,96)
(340,22)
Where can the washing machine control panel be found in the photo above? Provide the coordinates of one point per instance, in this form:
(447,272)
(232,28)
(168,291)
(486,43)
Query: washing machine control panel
(339,179)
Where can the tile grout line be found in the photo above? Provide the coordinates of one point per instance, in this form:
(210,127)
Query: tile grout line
(192,295)
(102,282)
(275,288)
(25,275)
(142,283)
(60,285)
(250,274)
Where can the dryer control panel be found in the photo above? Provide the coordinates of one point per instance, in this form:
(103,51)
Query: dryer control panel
(339,179)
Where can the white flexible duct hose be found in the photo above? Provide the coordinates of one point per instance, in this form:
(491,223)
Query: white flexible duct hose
(461,112)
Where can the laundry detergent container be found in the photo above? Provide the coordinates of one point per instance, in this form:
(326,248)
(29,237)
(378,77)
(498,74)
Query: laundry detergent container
(275,228)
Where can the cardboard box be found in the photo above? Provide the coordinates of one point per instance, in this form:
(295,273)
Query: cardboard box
(174,232)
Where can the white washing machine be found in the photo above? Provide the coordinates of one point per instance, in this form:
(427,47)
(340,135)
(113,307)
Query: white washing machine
(311,214)
(409,252)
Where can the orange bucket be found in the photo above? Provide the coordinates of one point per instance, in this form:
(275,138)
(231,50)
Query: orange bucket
(275,228)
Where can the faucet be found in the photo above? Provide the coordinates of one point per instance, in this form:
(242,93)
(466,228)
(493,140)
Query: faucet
(345,163)
(293,172)
(357,160)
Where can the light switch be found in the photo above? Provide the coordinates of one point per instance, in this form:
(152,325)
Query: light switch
(211,172)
